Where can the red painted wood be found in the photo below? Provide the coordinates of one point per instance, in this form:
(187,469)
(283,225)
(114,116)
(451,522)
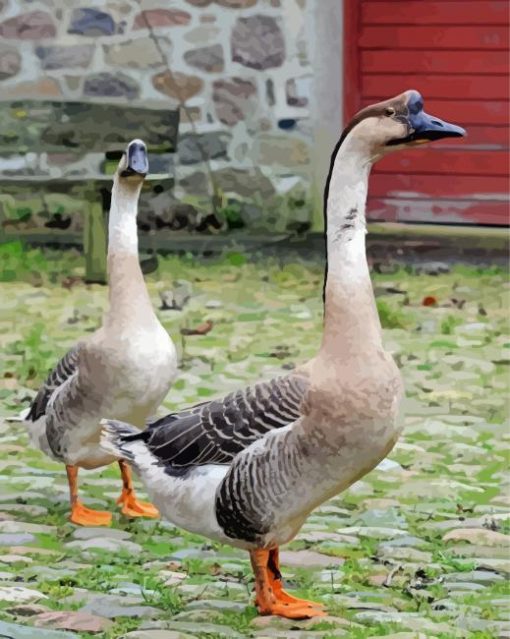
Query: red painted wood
(454,162)
(497,137)
(447,37)
(464,112)
(412,185)
(352,75)
(438,86)
(480,137)
(471,112)
(456,53)
(438,13)
(436,210)
(423,62)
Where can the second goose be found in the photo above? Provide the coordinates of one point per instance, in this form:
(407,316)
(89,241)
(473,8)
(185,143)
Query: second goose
(122,371)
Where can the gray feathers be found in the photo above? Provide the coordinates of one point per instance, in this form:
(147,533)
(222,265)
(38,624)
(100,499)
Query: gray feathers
(252,490)
(63,411)
(115,434)
(247,430)
(215,432)
(64,369)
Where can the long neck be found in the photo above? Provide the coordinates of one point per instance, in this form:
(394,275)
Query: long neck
(127,291)
(351,322)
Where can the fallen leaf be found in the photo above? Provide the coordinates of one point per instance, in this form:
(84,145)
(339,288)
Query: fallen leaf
(201,329)
(71,280)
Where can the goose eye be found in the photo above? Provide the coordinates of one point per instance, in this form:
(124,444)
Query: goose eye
(390,111)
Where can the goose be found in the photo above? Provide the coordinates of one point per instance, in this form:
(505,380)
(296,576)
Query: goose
(123,370)
(248,469)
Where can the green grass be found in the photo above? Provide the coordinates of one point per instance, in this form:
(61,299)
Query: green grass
(449,323)
(270,319)
(37,266)
(392,316)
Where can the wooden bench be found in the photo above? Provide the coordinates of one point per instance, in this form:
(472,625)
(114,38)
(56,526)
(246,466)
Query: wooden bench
(58,157)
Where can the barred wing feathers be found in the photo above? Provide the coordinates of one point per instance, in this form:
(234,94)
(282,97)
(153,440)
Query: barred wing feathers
(215,432)
(65,368)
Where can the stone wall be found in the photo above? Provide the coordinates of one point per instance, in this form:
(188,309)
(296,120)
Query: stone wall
(239,70)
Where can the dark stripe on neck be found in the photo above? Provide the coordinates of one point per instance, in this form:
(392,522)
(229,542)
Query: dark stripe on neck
(325,207)
(350,217)
(400,106)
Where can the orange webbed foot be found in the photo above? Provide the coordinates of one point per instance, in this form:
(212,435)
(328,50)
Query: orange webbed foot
(270,598)
(284,597)
(83,516)
(132,507)
(276,584)
(289,610)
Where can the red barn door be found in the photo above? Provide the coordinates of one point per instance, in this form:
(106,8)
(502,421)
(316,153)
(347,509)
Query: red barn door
(456,53)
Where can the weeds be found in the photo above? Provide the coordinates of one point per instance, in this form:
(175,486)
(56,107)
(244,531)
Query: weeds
(449,323)
(392,317)
(267,307)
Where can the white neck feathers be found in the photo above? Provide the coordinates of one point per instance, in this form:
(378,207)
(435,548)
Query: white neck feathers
(122,228)
(350,312)
(346,224)
(128,294)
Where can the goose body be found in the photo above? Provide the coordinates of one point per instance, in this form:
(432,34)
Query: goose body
(248,469)
(126,375)
(123,370)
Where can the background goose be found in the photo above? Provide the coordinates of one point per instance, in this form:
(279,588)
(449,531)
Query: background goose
(123,370)
(248,469)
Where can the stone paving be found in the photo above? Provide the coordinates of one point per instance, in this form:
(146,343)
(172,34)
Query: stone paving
(416,549)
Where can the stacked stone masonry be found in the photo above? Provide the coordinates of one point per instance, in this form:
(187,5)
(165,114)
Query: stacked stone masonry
(238,70)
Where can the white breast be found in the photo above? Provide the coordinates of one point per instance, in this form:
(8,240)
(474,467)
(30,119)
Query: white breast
(146,368)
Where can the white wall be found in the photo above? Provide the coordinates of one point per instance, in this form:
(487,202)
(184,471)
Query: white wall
(325,37)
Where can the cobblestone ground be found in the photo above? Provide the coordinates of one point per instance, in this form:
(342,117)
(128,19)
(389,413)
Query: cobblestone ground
(418,548)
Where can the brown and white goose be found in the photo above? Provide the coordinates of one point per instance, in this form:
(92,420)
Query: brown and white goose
(248,469)
(123,370)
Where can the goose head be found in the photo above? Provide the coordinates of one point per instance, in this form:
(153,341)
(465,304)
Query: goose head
(134,163)
(397,123)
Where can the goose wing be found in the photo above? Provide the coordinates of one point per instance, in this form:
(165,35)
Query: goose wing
(215,432)
(63,371)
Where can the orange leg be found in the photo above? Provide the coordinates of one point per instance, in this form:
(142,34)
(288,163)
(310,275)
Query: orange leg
(131,507)
(80,514)
(267,601)
(275,578)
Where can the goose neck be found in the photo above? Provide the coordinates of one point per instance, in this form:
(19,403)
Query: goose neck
(122,229)
(351,321)
(127,290)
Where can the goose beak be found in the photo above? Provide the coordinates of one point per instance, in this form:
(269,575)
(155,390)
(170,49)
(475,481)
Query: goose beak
(137,162)
(428,128)
(424,127)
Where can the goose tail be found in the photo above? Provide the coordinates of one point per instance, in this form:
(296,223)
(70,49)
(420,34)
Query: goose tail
(121,440)
(21,417)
